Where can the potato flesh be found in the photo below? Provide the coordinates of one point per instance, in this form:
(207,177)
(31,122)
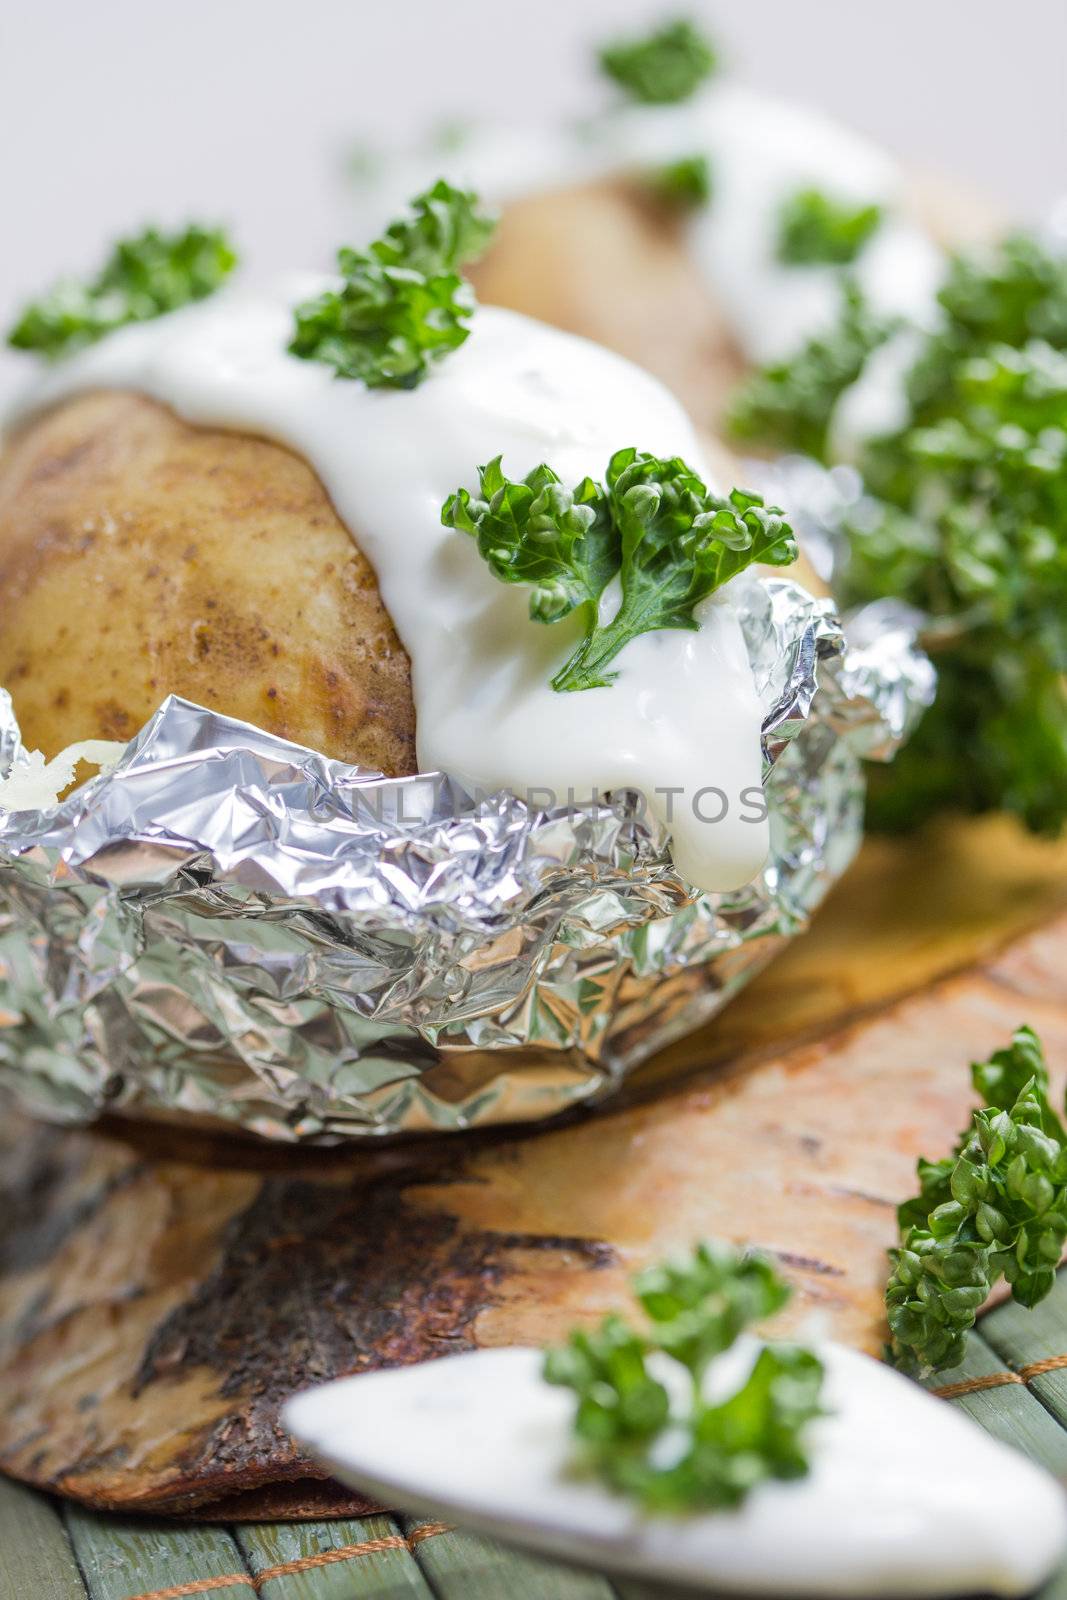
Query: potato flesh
(141,557)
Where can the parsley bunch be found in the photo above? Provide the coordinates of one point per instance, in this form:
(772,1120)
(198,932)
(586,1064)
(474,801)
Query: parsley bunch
(402,304)
(816,228)
(667,66)
(703,1455)
(142,278)
(653,523)
(997,1207)
(965,519)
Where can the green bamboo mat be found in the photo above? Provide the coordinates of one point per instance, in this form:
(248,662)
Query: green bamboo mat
(50,1551)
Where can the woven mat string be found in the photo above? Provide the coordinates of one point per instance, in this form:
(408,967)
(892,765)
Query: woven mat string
(284,1569)
(998,1380)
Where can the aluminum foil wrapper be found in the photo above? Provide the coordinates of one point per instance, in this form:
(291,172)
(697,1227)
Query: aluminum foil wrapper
(228,929)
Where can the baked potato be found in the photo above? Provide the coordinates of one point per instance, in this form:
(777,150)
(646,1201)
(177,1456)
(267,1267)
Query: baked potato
(141,557)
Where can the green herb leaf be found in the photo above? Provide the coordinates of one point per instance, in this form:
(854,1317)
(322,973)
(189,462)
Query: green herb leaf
(679,544)
(666,66)
(716,1453)
(699,1307)
(814,227)
(559,541)
(996,1208)
(685,183)
(402,304)
(655,524)
(144,277)
(788,405)
(1008,293)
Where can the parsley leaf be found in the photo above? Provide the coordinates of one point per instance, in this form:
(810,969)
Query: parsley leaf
(671,542)
(997,1207)
(144,277)
(687,182)
(702,1455)
(679,543)
(667,66)
(560,541)
(402,304)
(814,227)
(789,404)
(1009,292)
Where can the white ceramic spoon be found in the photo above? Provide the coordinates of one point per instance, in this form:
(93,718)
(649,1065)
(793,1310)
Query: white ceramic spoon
(906,1496)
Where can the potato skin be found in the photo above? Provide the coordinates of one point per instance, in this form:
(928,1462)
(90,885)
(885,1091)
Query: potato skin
(141,557)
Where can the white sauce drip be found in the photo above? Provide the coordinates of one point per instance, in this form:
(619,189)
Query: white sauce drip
(683,714)
(897,1500)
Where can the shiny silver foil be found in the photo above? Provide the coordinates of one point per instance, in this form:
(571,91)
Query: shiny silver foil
(231,930)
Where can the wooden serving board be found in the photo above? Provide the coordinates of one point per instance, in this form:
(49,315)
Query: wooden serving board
(160,1295)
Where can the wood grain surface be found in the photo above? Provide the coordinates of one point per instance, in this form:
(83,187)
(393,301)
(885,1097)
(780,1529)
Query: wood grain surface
(161,1295)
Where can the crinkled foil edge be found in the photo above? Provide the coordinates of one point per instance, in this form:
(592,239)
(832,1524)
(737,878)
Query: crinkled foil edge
(228,929)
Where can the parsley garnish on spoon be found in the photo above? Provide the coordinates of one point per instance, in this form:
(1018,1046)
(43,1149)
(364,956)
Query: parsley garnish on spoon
(142,278)
(996,1208)
(653,523)
(402,304)
(693,1454)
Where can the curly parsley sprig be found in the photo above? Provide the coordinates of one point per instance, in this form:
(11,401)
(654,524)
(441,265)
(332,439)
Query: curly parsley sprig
(142,278)
(402,304)
(997,1207)
(700,1454)
(663,68)
(815,228)
(653,522)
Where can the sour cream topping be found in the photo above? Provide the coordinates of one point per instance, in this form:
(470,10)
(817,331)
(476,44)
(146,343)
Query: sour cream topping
(682,722)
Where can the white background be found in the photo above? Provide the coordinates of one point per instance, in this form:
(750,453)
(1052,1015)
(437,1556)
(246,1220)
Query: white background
(115,112)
